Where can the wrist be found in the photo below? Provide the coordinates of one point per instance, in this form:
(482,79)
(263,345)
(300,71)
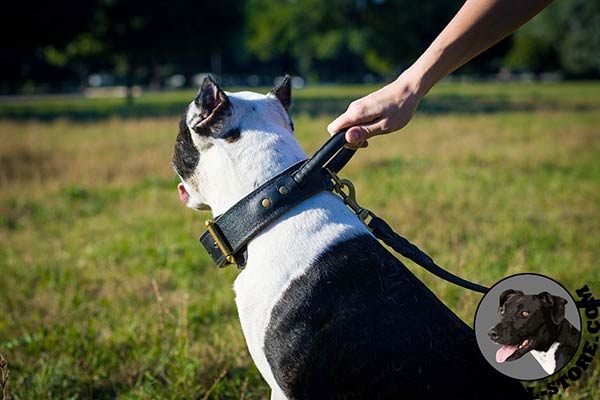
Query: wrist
(413,82)
(433,65)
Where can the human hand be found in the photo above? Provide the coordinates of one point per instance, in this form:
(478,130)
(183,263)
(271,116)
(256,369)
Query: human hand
(383,111)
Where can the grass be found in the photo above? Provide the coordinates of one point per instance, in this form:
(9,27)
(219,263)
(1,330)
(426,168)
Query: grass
(4,373)
(104,291)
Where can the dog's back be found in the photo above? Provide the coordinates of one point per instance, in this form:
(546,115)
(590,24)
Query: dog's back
(359,325)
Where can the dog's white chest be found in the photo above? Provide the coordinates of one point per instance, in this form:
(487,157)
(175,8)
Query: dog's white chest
(547,359)
(279,255)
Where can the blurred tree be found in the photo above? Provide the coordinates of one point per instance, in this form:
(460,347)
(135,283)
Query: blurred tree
(580,48)
(565,36)
(31,26)
(134,39)
(381,35)
(140,37)
(303,31)
(337,40)
(400,30)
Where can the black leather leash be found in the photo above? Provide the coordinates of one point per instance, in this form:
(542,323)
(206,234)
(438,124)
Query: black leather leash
(227,236)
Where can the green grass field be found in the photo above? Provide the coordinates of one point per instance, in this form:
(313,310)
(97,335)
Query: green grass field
(105,292)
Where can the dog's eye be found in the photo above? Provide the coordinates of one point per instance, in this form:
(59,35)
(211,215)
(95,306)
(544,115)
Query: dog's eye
(524,313)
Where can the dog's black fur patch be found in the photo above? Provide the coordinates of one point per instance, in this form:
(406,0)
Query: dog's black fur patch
(185,155)
(360,325)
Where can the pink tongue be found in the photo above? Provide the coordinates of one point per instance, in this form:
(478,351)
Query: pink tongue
(183,195)
(504,352)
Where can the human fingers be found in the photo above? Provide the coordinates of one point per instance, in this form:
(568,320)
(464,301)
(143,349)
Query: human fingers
(358,112)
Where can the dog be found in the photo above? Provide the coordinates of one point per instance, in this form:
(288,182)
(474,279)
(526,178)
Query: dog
(327,312)
(535,324)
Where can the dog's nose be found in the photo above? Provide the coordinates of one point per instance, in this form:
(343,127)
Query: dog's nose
(493,334)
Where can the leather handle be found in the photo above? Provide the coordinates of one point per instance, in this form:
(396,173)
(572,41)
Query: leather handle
(340,160)
(333,147)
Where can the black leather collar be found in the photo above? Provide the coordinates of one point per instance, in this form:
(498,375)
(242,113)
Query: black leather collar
(227,236)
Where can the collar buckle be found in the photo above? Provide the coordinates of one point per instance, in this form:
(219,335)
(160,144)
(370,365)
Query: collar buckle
(220,243)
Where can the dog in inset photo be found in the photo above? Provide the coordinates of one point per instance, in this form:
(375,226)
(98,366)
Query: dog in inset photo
(327,312)
(536,324)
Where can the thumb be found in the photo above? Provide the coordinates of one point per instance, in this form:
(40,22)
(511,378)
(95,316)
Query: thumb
(357,134)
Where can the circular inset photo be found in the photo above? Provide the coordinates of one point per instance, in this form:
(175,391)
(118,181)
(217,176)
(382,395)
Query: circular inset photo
(528,326)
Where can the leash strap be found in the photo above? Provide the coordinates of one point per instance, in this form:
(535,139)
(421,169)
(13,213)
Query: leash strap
(227,236)
(384,232)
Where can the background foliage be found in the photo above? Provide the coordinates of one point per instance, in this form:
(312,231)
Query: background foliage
(59,44)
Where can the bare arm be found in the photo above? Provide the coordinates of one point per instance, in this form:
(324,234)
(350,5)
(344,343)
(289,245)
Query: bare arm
(478,25)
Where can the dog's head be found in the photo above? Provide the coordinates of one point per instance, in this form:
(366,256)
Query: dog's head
(527,322)
(230,143)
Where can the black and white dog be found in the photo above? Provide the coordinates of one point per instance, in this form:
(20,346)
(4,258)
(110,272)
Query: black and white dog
(534,323)
(326,311)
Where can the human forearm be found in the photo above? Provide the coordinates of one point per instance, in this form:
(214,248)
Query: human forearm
(477,26)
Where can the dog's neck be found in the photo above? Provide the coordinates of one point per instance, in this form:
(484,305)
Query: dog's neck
(236,169)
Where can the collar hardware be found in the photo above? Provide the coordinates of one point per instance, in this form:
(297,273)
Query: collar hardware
(220,242)
(349,197)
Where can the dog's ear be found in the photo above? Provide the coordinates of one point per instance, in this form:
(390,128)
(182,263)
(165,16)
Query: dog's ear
(283,91)
(555,304)
(213,105)
(507,294)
